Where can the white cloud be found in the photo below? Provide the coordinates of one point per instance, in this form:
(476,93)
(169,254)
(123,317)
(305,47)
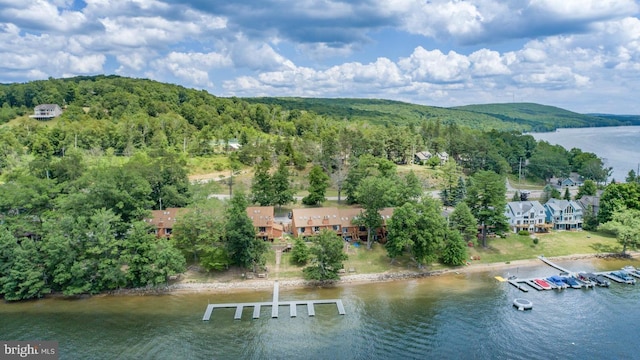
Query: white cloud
(434,66)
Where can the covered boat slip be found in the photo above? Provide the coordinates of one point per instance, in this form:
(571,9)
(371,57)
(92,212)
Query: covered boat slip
(275,304)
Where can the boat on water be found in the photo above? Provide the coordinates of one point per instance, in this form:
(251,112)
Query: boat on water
(557,281)
(571,282)
(543,284)
(631,270)
(623,276)
(587,279)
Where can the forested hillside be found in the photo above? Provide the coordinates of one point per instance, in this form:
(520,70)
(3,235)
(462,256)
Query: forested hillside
(74,190)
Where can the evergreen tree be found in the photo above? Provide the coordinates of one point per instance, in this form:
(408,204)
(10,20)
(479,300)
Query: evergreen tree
(567,194)
(281,181)
(374,194)
(460,191)
(300,253)
(454,250)
(244,248)
(486,200)
(589,219)
(462,219)
(410,189)
(318,184)
(262,192)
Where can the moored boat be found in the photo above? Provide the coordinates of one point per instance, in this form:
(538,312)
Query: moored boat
(542,283)
(557,281)
(632,270)
(624,277)
(570,281)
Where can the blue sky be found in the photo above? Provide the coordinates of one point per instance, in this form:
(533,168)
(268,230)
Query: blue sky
(582,55)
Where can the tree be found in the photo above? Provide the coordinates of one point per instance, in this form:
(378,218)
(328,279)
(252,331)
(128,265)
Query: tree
(149,261)
(616,197)
(199,228)
(326,257)
(281,182)
(589,219)
(22,271)
(454,250)
(410,189)
(625,224)
(373,194)
(318,184)
(548,161)
(567,194)
(262,191)
(632,177)
(300,253)
(462,220)
(588,188)
(417,229)
(486,200)
(244,248)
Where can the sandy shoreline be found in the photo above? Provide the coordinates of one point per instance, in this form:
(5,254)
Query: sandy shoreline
(258,284)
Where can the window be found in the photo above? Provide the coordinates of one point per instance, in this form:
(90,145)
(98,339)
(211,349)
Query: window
(301,230)
(262,229)
(336,227)
(316,229)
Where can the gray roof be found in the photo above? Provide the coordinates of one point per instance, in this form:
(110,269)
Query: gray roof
(524,206)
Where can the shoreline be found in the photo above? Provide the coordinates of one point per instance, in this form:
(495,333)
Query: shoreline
(235,286)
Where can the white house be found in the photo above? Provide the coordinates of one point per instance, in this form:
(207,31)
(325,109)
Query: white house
(526,215)
(46,111)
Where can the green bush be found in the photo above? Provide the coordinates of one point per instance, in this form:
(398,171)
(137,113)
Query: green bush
(535,241)
(523,232)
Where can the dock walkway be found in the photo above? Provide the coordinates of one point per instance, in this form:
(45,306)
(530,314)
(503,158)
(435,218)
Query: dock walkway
(275,304)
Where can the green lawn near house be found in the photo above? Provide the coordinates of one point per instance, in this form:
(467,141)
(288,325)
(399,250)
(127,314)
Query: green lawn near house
(556,243)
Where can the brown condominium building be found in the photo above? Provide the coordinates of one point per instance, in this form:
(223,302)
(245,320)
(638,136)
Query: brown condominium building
(311,221)
(262,218)
(163,220)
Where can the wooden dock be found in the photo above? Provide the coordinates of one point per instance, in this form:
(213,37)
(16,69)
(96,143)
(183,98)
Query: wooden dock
(275,304)
(554,265)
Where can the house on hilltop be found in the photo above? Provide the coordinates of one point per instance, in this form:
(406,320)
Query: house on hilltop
(46,112)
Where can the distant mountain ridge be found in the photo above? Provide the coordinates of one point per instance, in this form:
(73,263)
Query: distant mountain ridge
(506,116)
(117,97)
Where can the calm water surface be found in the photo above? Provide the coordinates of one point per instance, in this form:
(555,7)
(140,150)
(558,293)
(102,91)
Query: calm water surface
(463,316)
(619,146)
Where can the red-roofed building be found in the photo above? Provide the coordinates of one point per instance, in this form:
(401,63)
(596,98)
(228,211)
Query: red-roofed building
(310,221)
(163,220)
(262,218)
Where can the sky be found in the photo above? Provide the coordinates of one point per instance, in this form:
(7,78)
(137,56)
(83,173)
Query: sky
(581,55)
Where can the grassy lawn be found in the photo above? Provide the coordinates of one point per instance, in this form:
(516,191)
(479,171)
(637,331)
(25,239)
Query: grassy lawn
(518,247)
(499,250)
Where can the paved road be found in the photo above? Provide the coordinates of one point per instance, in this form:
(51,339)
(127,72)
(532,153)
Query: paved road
(535,194)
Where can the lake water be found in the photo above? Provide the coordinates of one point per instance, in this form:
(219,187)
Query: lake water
(619,146)
(457,316)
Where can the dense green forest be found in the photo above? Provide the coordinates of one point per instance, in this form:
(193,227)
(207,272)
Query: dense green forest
(74,190)
(504,117)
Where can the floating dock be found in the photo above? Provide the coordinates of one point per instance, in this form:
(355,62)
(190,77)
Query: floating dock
(275,304)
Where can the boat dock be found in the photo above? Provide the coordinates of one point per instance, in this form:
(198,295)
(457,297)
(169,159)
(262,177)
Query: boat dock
(554,265)
(275,304)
